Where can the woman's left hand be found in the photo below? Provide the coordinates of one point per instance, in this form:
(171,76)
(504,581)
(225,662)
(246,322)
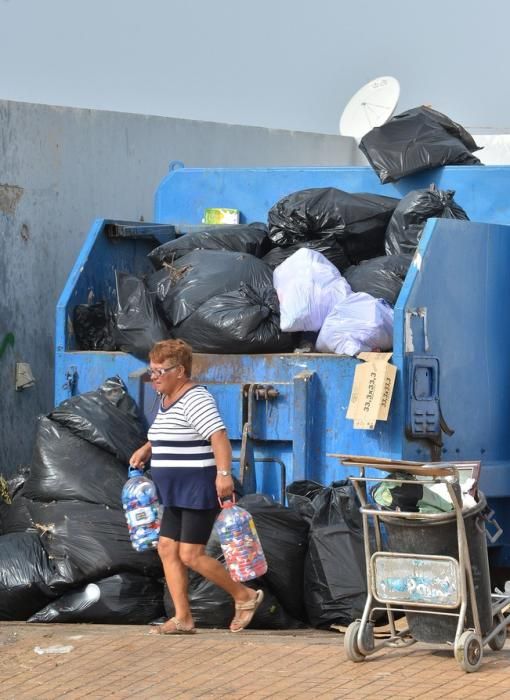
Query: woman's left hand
(224,486)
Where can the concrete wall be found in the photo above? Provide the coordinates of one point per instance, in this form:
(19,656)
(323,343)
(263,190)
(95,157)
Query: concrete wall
(60,168)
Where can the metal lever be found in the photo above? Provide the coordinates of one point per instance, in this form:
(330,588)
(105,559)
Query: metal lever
(251,393)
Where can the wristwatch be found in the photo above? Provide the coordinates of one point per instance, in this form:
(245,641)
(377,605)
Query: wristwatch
(223,472)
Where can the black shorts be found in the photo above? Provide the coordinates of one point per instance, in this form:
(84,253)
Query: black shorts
(189,525)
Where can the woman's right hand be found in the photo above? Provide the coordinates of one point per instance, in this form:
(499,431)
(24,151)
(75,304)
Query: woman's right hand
(142,455)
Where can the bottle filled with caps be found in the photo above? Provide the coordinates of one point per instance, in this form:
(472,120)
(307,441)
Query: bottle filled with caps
(141,508)
(240,543)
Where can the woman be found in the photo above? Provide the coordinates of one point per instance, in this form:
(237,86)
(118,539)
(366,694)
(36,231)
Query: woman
(191,459)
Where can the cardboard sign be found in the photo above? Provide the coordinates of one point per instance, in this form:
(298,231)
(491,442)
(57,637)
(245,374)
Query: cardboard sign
(372,390)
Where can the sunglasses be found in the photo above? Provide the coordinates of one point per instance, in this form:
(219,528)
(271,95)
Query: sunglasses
(159,372)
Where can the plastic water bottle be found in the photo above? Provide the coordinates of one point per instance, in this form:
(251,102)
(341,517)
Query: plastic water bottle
(141,508)
(240,543)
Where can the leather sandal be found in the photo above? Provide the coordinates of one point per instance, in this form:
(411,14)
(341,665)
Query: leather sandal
(178,628)
(251,607)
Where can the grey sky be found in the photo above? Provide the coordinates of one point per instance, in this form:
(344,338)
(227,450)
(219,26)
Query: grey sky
(277,63)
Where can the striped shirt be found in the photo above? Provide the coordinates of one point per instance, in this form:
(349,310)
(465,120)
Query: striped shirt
(182,464)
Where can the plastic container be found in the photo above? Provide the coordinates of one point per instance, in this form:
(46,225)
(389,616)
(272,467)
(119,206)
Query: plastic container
(439,537)
(141,508)
(240,543)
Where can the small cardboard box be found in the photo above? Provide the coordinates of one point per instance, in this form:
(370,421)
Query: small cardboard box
(220,215)
(372,390)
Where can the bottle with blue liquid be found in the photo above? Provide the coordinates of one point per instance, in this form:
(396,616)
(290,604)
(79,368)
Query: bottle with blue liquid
(141,508)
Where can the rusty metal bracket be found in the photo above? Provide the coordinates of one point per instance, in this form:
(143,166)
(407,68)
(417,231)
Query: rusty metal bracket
(250,394)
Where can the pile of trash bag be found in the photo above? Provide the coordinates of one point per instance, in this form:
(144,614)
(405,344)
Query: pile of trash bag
(222,301)
(122,599)
(416,140)
(246,320)
(411,214)
(63,517)
(355,222)
(314,296)
(335,586)
(70,559)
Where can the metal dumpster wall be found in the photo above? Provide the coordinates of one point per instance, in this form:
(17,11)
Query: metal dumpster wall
(184,193)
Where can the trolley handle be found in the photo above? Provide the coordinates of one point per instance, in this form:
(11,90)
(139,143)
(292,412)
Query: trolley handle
(436,470)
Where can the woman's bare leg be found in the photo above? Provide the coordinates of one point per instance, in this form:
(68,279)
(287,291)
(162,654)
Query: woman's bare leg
(176,576)
(194,556)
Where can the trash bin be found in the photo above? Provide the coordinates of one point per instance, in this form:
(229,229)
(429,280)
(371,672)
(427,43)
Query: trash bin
(439,537)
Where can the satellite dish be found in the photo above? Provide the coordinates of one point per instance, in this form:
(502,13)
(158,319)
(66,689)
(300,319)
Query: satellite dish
(371,106)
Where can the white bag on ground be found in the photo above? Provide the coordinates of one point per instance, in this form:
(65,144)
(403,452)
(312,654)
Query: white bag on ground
(308,287)
(360,323)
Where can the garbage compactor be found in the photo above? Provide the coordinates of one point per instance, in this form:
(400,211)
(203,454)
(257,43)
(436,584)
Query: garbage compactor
(286,412)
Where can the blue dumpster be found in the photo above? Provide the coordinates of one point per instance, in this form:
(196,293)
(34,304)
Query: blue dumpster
(286,413)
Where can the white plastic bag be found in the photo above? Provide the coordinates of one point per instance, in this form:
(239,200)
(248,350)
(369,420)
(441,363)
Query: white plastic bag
(308,287)
(360,323)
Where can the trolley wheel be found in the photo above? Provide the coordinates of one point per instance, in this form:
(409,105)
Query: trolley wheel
(469,651)
(498,642)
(351,642)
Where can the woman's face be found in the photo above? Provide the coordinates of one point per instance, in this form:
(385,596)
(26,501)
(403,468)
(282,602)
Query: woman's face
(166,376)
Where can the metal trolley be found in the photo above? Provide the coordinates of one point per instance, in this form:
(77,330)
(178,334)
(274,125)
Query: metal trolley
(420,584)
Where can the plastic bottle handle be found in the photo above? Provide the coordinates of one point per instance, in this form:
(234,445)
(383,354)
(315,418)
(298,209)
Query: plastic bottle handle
(134,471)
(231,500)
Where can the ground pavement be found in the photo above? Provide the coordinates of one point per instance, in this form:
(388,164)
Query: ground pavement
(121,662)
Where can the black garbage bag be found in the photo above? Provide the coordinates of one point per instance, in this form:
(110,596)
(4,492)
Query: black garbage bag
(284,538)
(107,417)
(300,497)
(401,496)
(15,516)
(211,606)
(87,541)
(242,321)
(327,245)
(65,467)
(358,221)
(122,599)
(93,326)
(381,277)
(335,580)
(409,218)
(204,274)
(240,238)
(138,324)
(418,139)
(25,576)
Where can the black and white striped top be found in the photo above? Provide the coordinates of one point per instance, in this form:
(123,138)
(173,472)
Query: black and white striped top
(182,464)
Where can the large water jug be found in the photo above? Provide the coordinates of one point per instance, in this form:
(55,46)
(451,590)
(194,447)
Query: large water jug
(240,543)
(141,508)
